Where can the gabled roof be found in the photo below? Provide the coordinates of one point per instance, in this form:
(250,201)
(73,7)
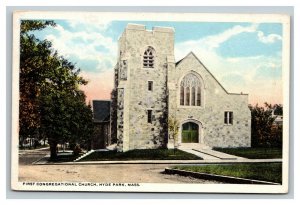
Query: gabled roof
(101,110)
(179,61)
(191,53)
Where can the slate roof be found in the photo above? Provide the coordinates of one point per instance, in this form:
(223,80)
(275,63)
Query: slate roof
(101,110)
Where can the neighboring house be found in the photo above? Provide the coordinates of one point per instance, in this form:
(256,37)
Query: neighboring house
(101,111)
(277,114)
(151,87)
(278,120)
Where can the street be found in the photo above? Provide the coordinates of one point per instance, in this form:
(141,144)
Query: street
(123,173)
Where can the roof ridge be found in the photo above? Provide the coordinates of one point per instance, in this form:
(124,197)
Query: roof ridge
(192,53)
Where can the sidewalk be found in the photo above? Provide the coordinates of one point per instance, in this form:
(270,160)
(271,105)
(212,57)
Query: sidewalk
(25,151)
(209,154)
(44,161)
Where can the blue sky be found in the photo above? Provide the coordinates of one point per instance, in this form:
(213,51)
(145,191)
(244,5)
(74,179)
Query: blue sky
(244,57)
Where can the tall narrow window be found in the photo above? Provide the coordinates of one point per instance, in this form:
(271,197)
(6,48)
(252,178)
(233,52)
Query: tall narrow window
(148,58)
(198,96)
(231,118)
(193,96)
(187,96)
(149,117)
(228,118)
(181,95)
(150,85)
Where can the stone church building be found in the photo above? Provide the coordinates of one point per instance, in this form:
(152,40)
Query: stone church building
(150,88)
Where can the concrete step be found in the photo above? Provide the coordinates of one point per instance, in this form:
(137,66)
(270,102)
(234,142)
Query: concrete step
(84,155)
(112,147)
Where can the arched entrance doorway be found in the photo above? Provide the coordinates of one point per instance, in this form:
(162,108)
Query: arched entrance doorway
(190,132)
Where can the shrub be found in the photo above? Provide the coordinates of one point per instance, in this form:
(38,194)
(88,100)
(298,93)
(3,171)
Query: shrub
(77,150)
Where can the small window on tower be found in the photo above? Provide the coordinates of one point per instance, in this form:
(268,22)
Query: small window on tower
(150,85)
(149,116)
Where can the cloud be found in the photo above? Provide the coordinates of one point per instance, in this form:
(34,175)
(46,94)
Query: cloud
(271,38)
(215,40)
(85,43)
(234,79)
(259,75)
(212,42)
(89,22)
(83,46)
(268,70)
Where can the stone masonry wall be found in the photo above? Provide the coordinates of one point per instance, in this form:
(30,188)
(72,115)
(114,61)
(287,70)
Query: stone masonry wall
(120,119)
(134,99)
(135,41)
(210,115)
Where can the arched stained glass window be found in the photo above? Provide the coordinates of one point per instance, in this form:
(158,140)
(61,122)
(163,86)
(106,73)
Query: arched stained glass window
(190,90)
(198,96)
(148,58)
(193,100)
(181,95)
(187,96)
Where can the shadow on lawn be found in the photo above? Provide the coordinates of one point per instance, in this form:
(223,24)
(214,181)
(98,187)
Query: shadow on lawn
(141,154)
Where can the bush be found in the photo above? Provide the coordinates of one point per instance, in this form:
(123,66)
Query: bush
(77,150)
(264,132)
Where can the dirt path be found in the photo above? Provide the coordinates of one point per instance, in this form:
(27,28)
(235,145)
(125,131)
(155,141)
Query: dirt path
(138,173)
(149,173)
(27,157)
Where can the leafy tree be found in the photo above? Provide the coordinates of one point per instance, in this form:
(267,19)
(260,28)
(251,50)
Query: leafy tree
(51,103)
(263,131)
(173,126)
(65,118)
(278,109)
(82,125)
(33,66)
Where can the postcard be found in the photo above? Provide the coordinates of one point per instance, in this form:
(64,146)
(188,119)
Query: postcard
(150,102)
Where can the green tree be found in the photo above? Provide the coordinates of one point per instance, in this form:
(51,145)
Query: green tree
(263,132)
(33,66)
(278,109)
(82,125)
(51,103)
(65,118)
(173,126)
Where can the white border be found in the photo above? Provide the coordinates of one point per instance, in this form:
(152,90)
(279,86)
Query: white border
(151,16)
(153,187)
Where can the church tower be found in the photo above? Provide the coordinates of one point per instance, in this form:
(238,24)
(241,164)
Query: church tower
(140,94)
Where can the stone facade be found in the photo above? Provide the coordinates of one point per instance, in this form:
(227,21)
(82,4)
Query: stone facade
(148,90)
(215,102)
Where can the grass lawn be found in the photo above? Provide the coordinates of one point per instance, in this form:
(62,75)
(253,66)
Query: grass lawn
(33,148)
(253,153)
(65,157)
(141,154)
(271,172)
